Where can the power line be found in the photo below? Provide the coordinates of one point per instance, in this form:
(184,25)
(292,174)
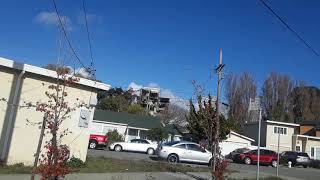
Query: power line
(288,27)
(66,36)
(88,34)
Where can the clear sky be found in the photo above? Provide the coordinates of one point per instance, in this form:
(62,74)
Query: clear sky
(167,42)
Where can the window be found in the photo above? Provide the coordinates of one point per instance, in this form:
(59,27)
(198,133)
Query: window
(141,141)
(135,141)
(279,130)
(194,147)
(182,146)
(133,132)
(312,152)
(298,148)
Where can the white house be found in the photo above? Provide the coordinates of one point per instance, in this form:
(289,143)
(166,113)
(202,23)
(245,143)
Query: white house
(131,126)
(235,141)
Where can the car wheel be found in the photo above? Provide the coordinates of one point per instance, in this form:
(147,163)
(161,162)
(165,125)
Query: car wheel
(247,160)
(274,163)
(150,151)
(118,148)
(173,158)
(93,144)
(305,166)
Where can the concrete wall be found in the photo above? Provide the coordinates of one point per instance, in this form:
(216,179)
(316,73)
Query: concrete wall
(7,78)
(285,140)
(25,135)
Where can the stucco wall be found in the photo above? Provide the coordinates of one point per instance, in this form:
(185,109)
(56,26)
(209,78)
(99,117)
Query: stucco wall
(25,136)
(6,82)
(285,140)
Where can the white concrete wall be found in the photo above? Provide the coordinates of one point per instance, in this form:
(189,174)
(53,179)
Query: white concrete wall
(6,83)
(285,140)
(25,136)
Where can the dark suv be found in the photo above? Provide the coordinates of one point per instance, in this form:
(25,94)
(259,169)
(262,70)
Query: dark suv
(296,158)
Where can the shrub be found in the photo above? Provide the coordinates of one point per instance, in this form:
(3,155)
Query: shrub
(114,136)
(75,162)
(157,134)
(137,109)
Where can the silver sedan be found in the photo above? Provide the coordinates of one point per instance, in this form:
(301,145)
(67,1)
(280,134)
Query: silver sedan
(178,151)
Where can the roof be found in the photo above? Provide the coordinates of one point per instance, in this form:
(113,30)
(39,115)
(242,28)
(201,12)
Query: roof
(242,136)
(310,123)
(309,137)
(49,73)
(132,120)
(282,123)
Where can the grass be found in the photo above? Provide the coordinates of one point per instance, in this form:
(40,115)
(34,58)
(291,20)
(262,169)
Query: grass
(101,165)
(15,169)
(107,165)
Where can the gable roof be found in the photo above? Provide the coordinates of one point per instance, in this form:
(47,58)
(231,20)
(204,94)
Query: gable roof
(282,123)
(242,136)
(132,120)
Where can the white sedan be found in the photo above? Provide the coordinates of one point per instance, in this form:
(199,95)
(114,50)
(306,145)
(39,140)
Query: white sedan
(138,145)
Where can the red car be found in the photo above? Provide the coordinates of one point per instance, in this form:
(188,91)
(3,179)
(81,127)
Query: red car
(267,157)
(97,140)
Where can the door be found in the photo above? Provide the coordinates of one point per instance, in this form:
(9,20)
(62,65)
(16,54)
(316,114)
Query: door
(131,146)
(181,150)
(254,155)
(142,145)
(195,153)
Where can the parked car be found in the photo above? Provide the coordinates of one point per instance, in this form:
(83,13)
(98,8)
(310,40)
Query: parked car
(184,151)
(267,157)
(236,152)
(296,158)
(137,145)
(97,140)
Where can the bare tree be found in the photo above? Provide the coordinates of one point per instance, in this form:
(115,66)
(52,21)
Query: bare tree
(238,91)
(276,99)
(173,114)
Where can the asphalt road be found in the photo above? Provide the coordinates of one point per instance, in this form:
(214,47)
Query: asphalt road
(242,169)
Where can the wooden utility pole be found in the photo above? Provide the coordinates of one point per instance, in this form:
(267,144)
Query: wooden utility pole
(217,121)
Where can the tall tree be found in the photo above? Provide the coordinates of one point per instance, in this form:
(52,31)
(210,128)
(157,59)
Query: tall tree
(276,99)
(173,114)
(306,103)
(238,91)
(115,99)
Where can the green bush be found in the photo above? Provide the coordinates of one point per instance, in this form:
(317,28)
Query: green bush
(114,136)
(137,109)
(157,134)
(75,163)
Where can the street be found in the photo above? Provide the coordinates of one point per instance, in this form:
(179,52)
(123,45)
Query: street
(241,170)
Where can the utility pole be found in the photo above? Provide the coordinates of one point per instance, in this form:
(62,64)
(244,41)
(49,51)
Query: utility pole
(217,122)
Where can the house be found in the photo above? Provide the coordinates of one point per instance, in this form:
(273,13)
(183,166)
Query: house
(270,131)
(235,141)
(21,83)
(308,138)
(131,126)
(303,137)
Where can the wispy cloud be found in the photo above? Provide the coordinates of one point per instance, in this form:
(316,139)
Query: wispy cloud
(91,18)
(50,18)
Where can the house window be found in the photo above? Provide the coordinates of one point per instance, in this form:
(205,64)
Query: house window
(280,130)
(312,152)
(298,148)
(133,132)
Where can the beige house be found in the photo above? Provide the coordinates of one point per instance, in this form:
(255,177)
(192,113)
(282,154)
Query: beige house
(293,137)
(21,83)
(271,132)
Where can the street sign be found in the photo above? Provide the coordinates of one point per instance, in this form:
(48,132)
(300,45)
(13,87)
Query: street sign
(254,104)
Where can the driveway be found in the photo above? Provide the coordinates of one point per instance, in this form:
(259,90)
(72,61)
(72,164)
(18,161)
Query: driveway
(241,170)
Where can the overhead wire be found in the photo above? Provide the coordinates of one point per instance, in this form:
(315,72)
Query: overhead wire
(308,45)
(66,35)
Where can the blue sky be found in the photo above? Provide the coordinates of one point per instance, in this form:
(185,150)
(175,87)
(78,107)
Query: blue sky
(167,42)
